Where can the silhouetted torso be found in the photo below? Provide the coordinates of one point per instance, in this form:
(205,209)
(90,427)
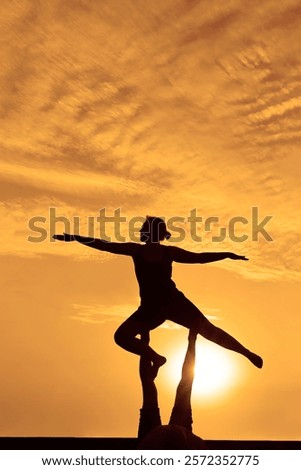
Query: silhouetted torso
(153,268)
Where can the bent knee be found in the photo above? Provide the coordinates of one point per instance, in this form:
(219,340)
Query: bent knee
(119,337)
(124,334)
(127,332)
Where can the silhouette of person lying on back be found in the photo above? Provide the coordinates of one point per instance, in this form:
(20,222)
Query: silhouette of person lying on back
(160,299)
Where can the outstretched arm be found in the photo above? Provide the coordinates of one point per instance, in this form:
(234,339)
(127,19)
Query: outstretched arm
(128,249)
(184,256)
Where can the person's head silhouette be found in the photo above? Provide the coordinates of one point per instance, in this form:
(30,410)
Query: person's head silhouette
(154,230)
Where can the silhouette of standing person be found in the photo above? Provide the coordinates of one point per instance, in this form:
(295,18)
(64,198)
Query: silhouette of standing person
(160,299)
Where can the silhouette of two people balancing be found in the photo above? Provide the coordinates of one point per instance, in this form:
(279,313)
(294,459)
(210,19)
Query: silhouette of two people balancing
(160,298)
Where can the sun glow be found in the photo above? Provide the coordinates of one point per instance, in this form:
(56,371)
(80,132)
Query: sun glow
(215,372)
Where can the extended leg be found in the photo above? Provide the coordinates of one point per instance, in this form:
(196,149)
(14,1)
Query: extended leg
(185,313)
(219,336)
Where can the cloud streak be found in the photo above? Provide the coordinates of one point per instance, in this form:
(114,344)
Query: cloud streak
(100,313)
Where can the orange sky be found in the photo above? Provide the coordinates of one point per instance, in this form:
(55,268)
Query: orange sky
(155,108)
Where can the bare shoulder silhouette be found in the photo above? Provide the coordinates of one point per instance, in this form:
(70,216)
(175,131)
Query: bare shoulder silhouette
(160,298)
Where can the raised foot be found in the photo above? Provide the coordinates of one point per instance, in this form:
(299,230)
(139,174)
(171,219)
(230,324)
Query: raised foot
(256,360)
(160,361)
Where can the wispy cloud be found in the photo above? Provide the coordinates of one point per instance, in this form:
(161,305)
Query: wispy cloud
(99,313)
(88,184)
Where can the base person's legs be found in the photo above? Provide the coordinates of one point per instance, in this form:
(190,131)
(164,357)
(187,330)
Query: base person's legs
(181,413)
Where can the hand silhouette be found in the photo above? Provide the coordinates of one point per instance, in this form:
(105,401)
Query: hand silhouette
(234,256)
(66,237)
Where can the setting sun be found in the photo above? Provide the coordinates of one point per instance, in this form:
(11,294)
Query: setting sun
(216,371)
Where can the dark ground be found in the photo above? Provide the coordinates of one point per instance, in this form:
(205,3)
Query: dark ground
(116,443)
